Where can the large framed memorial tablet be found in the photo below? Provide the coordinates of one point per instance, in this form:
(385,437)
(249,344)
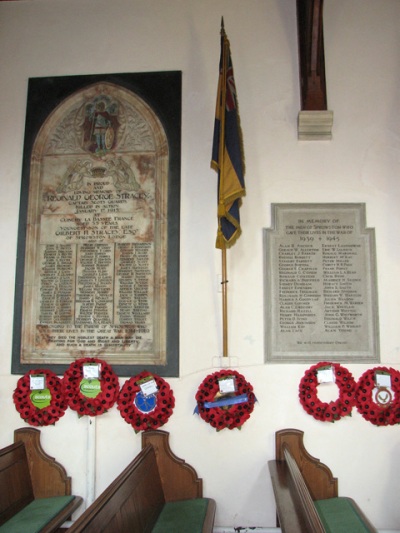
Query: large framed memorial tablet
(98,245)
(320,285)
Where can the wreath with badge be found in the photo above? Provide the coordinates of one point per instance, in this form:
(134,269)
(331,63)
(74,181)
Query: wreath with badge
(225,400)
(146,401)
(39,398)
(327,411)
(90,386)
(378,396)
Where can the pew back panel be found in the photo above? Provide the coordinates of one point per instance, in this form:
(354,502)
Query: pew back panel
(132,502)
(49,478)
(29,503)
(319,478)
(135,501)
(306,492)
(179,479)
(15,481)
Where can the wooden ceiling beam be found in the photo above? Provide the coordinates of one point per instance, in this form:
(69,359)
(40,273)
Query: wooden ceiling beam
(311,55)
(315,121)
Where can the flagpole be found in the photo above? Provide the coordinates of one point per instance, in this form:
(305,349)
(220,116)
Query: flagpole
(224,305)
(227,160)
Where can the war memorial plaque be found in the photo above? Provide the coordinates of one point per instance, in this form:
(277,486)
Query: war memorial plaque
(98,254)
(320,285)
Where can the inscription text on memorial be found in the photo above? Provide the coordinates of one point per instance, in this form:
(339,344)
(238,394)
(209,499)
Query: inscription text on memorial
(320,284)
(97,240)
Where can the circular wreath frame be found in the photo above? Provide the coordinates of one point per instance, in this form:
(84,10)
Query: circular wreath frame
(328,411)
(28,411)
(233,416)
(79,402)
(372,411)
(145,421)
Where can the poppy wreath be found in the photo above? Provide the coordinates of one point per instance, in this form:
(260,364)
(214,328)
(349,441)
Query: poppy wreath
(236,412)
(324,411)
(141,412)
(83,404)
(54,407)
(377,413)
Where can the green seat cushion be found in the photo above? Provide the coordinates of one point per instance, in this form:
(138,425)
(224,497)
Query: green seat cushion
(183,516)
(36,515)
(339,515)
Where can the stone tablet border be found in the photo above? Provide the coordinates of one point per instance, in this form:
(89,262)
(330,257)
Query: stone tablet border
(320,285)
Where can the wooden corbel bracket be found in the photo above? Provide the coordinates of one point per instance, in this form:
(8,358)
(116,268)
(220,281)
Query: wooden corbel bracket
(315,121)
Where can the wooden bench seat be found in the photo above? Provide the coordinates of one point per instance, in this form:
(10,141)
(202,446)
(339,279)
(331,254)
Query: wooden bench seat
(35,491)
(306,493)
(157,492)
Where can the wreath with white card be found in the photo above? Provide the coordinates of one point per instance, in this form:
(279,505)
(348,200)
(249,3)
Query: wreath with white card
(90,386)
(327,373)
(146,401)
(39,399)
(378,396)
(225,399)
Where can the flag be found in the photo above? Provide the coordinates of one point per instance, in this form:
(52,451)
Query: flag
(227,151)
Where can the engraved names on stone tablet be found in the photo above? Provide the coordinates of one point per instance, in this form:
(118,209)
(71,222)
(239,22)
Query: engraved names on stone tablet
(298,287)
(57,284)
(94,297)
(342,287)
(320,284)
(102,281)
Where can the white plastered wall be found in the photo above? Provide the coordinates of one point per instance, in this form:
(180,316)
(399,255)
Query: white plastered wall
(361,164)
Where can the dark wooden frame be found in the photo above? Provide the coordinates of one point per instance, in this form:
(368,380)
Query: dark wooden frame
(162,92)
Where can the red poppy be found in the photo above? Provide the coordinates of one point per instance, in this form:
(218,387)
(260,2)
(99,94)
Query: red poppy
(232,415)
(33,415)
(324,411)
(145,412)
(378,413)
(84,405)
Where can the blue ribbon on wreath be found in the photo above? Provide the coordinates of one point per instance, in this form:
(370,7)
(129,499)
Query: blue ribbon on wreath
(232,400)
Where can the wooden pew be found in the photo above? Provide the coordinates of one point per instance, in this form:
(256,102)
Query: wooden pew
(156,492)
(35,491)
(306,493)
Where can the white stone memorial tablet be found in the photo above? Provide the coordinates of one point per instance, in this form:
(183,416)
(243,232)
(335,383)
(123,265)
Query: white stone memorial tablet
(320,284)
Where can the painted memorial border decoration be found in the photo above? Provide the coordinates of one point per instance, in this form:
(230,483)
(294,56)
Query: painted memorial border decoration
(146,401)
(39,398)
(225,399)
(327,411)
(98,247)
(378,396)
(89,392)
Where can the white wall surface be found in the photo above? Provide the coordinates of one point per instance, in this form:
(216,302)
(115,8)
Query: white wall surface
(361,164)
